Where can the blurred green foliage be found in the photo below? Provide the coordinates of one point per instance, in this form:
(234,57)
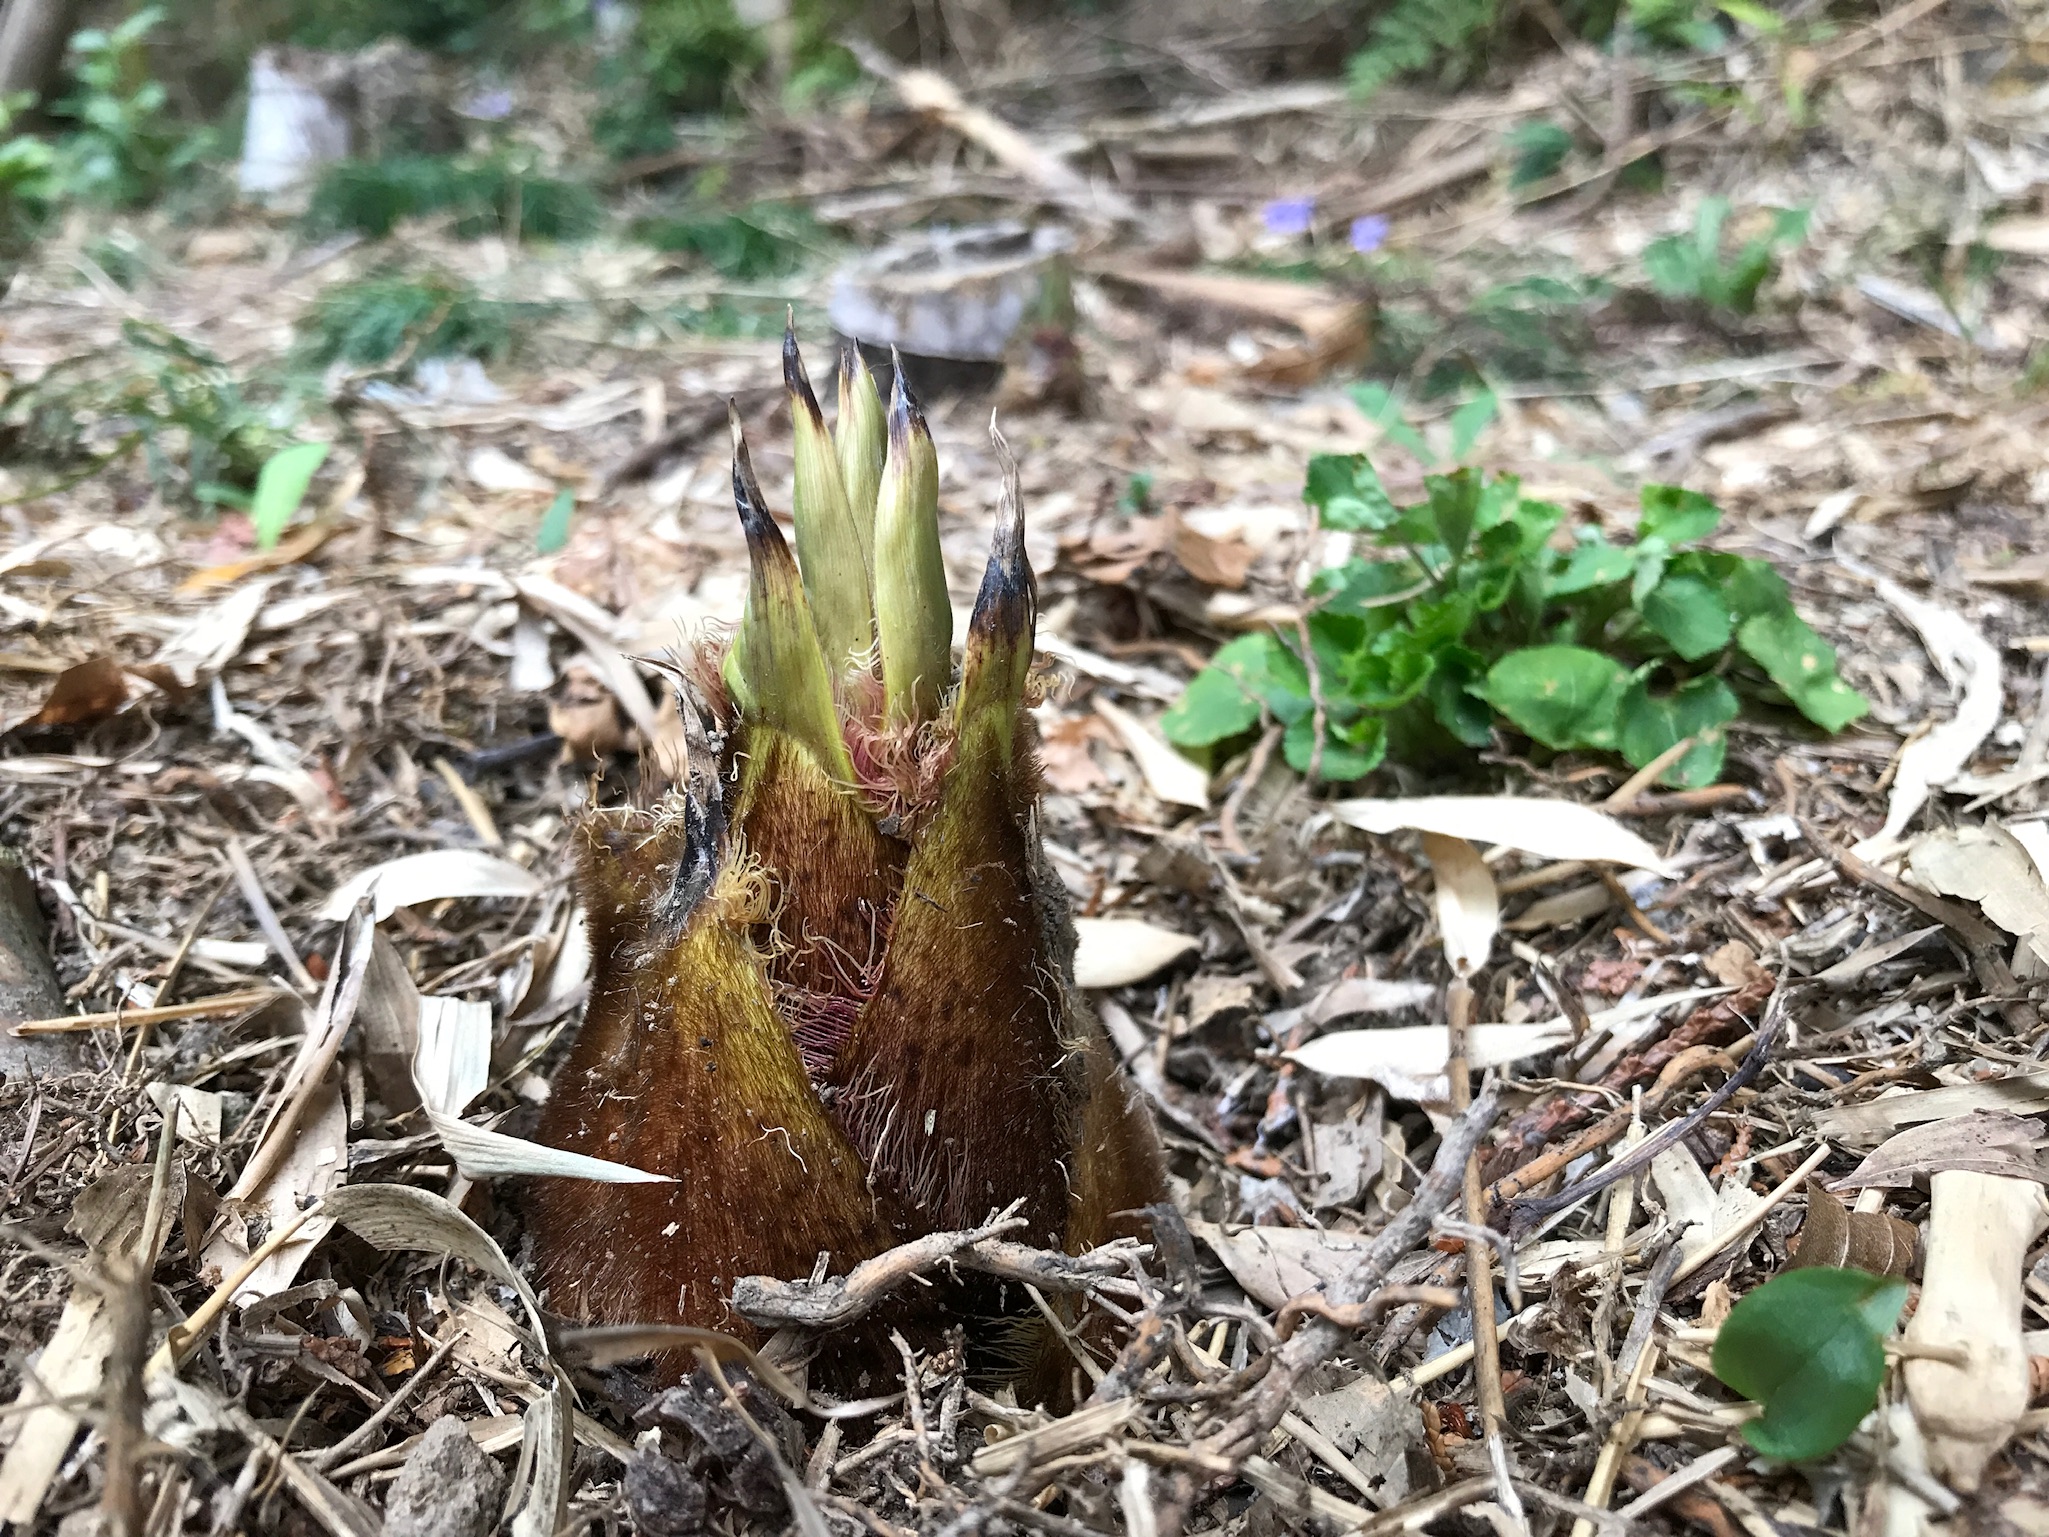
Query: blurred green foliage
(489,196)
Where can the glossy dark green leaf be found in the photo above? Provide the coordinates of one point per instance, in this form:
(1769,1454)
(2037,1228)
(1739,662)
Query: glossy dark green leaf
(1809,1345)
(1595,563)
(1350,753)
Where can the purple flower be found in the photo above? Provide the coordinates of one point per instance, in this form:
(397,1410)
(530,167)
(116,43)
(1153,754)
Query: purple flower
(1369,232)
(489,106)
(1290,216)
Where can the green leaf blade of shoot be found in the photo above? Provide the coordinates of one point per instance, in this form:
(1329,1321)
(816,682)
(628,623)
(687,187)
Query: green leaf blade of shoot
(1653,723)
(829,552)
(1347,494)
(281,487)
(1673,266)
(1809,1345)
(1454,509)
(775,658)
(1804,665)
(1674,516)
(913,614)
(860,439)
(1689,615)
(554,530)
(1562,696)
(996,657)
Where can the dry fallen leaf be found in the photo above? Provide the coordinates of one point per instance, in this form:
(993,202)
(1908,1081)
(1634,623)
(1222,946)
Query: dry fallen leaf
(1114,952)
(1468,906)
(1550,829)
(82,695)
(1273,1264)
(1409,1061)
(1985,1141)
(415,878)
(1173,778)
(1988,865)
(1971,663)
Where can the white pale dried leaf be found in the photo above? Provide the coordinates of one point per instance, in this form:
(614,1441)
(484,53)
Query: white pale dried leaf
(1989,866)
(211,638)
(1693,1203)
(429,877)
(1369,995)
(314,1167)
(1273,1264)
(1114,952)
(451,1067)
(67,1374)
(1468,906)
(1171,777)
(1409,1062)
(2034,837)
(1971,663)
(199,1110)
(600,631)
(493,469)
(1550,829)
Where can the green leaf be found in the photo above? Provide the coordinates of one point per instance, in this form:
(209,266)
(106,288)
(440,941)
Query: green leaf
(1754,587)
(1352,752)
(1651,723)
(1804,665)
(1384,410)
(554,531)
(1674,516)
(281,486)
(1564,696)
(1224,699)
(1674,267)
(1470,420)
(1689,614)
(1347,494)
(1213,709)
(1809,1345)
(1454,507)
(1595,563)
(1452,700)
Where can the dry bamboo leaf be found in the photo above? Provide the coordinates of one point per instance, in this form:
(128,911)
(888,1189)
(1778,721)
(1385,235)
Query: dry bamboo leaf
(1368,995)
(1409,1062)
(1832,1234)
(1971,663)
(211,639)
(67,1374)
(1987,865)
(1171,777)
(429,877)
(1550,829)
(1852,967)
(1984,1141)
(1468,907)
(1273,1264)
(1115,952)
(599,632)
(83,695)
(313,1166)
(451,1067)
(1874,1118)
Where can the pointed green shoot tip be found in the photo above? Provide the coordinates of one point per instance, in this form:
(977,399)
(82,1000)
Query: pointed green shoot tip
(829,545)
(858,436)
(775,661)
(912,610)
(998,656)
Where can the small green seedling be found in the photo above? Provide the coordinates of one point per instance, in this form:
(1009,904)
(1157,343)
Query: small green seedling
(281,486)
(1693,266)
(1470,604)
(554,530)
(1809,1345)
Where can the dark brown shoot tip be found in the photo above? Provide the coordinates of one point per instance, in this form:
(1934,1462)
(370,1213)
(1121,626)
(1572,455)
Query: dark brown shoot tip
(795,379)
(1006,609)
(756,522)
(906,416)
